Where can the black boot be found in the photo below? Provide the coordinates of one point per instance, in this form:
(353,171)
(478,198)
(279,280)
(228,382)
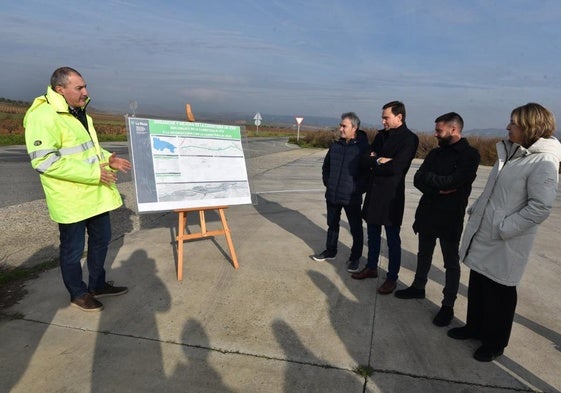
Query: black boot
(444,316)
(410,293)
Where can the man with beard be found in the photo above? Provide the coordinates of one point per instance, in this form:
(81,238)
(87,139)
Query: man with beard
(445,179)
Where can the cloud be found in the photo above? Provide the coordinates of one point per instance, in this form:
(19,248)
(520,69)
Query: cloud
(314,57)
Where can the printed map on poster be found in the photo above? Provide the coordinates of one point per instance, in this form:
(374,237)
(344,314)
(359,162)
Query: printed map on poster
(181,165)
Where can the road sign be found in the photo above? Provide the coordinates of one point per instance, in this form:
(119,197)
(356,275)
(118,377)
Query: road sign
(257,121)
(299,121)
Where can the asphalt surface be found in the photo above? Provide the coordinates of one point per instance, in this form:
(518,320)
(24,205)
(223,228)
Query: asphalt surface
(280,323)
(20,183)
(24,212)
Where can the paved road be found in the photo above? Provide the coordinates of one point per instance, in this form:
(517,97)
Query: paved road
(23,210)
(281,323)
(20,183)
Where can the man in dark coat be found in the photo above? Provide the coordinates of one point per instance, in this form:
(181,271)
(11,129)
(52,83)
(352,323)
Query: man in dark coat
(389,160)
(344,187)
(445,179)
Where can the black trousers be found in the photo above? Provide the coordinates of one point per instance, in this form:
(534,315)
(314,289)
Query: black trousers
(490,311)
(355,225)
(451,265)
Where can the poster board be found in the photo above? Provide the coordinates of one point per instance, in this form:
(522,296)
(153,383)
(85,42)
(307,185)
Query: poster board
(180,165)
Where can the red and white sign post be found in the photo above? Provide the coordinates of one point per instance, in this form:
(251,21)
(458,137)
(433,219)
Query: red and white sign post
(299,121)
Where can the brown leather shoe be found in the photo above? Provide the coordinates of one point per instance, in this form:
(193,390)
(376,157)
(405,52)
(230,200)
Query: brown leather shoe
(387,287)
(87,303)
(365,273)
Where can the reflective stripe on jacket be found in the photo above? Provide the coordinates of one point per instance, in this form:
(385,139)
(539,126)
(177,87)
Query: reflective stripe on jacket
(68,158)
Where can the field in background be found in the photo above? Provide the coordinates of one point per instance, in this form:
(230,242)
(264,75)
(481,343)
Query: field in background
(109,127)
(112,127)
(427,142)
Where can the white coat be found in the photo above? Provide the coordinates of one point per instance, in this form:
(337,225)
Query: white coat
(503,221)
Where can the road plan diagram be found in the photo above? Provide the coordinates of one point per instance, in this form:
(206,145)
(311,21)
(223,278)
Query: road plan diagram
(184,165)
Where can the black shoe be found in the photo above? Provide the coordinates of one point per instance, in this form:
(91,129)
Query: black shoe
(444,316)
(410,293)
(109,290)
(485,354)
(460,333)
(353,266)
(87,303)
(324,256)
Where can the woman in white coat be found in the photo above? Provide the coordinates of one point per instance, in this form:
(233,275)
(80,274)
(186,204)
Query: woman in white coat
(503,221)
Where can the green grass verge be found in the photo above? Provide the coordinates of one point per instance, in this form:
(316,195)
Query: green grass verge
(12,139)
(19,139)
(10,275)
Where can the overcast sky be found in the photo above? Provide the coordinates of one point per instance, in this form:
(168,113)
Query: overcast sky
(480,58)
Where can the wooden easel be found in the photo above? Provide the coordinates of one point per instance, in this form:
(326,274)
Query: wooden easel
(182,235)
(190,116)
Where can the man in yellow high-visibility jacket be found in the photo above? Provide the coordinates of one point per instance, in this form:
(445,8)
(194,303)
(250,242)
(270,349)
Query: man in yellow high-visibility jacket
(78,178)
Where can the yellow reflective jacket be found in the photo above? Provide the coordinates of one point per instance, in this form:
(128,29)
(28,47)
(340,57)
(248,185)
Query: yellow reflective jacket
(68,159)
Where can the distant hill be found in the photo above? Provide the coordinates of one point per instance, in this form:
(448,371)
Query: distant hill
(486,132)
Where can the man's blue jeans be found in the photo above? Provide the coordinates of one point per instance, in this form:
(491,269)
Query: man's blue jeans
(355,224)
(72,241)
(394,248)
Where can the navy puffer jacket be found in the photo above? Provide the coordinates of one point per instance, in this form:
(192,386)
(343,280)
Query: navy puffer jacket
(341,170)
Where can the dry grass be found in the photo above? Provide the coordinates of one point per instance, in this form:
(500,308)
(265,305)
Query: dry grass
(109,127)
(427,142)
(485,146)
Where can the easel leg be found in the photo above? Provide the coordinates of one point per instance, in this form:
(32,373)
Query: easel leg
(182,236)
(202,221)
(180,233)
(228,238)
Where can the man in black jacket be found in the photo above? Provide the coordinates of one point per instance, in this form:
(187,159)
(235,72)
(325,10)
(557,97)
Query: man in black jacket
(445,179)
(389,160)
(344,186)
